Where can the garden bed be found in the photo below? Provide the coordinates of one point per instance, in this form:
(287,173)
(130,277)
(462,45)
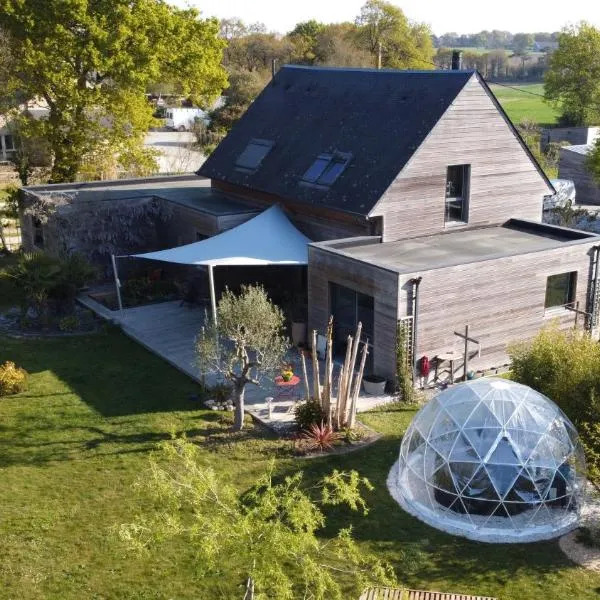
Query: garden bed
(360,437)
(81,322)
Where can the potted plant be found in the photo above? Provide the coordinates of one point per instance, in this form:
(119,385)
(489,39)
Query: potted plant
(287,372)
(374,385)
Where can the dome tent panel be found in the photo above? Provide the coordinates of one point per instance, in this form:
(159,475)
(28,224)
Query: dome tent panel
(496,461)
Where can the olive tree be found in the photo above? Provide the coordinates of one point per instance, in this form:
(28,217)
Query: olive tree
(245,345)
(266,542)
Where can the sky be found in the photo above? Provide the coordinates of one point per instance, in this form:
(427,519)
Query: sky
(461,16)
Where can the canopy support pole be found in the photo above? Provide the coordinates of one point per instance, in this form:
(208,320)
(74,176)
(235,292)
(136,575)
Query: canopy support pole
(117,282)
(213,299)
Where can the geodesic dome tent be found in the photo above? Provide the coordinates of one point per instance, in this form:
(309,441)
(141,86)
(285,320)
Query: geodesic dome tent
(491,460)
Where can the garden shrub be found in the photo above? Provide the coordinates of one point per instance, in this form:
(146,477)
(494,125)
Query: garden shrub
(565,366)
(13,379)
(221,392)
(69,324)
(309,413)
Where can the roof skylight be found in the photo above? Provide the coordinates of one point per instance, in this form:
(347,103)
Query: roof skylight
(326,168)
(253,155)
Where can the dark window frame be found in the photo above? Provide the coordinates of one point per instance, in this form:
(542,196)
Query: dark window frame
(561,290)
(457,194)
(247,166)
(12,147)
(333,166)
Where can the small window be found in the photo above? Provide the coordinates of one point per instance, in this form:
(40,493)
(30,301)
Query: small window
(253,155)
(38,232)
(560,290)
(9,143)
(457,194)
(327,168)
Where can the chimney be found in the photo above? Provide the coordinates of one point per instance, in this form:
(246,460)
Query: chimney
(456,60)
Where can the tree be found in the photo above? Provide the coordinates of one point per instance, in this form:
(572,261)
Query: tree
(338,45)
(522,43)
(592,161)
(304,37)
(244,86)
(91,60)
(573,78)
(264,543)
(245,345)
(391,39)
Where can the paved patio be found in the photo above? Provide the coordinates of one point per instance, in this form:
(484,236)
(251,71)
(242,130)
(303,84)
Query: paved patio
(169,331)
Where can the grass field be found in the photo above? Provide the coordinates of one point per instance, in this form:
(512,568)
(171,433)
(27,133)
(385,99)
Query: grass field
(72,446)
(520,105)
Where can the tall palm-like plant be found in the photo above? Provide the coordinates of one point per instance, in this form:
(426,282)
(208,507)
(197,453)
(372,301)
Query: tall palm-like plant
(35,275)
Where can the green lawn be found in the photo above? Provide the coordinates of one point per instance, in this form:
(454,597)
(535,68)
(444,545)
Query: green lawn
(72,446)
(520,105)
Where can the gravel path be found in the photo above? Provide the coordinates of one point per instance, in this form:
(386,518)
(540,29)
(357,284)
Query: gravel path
(579,553)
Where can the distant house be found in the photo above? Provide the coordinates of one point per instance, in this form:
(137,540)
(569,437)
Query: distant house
(7,140)
(423,203)
(544,46)
(571,165)
(578,136)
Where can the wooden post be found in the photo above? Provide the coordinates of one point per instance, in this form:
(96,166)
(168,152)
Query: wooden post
(327,383)
(305,375)
(117,282)
(213,299)
(315,362)
(342,395)
(466,351)
(356,390)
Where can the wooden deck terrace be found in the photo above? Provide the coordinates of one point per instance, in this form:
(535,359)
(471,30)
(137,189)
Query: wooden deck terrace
(169,331)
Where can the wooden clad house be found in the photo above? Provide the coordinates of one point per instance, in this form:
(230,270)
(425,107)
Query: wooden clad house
(423,203)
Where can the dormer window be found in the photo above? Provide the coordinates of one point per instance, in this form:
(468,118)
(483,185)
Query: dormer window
(253,155)
(326,169)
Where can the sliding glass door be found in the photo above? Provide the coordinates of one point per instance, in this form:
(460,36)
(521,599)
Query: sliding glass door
(348,309)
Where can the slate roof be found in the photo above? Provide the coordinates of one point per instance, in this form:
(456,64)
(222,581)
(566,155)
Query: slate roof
(379,116)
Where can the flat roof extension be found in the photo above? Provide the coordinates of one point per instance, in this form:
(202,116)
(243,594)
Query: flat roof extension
(457,247)
(191,191)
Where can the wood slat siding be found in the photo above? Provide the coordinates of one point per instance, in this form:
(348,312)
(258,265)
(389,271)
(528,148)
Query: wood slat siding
(403,594)
(504,181)
(501,300)
(326,268)
(181,228)
(225,222)
(316,222)
(571,165)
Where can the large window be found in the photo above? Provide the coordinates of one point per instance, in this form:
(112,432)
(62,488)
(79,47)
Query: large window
(560,290)
(457,194)
(326,168)
(348,309)
(253,155)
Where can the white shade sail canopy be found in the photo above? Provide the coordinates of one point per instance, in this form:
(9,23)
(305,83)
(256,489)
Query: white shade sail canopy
(267,239)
